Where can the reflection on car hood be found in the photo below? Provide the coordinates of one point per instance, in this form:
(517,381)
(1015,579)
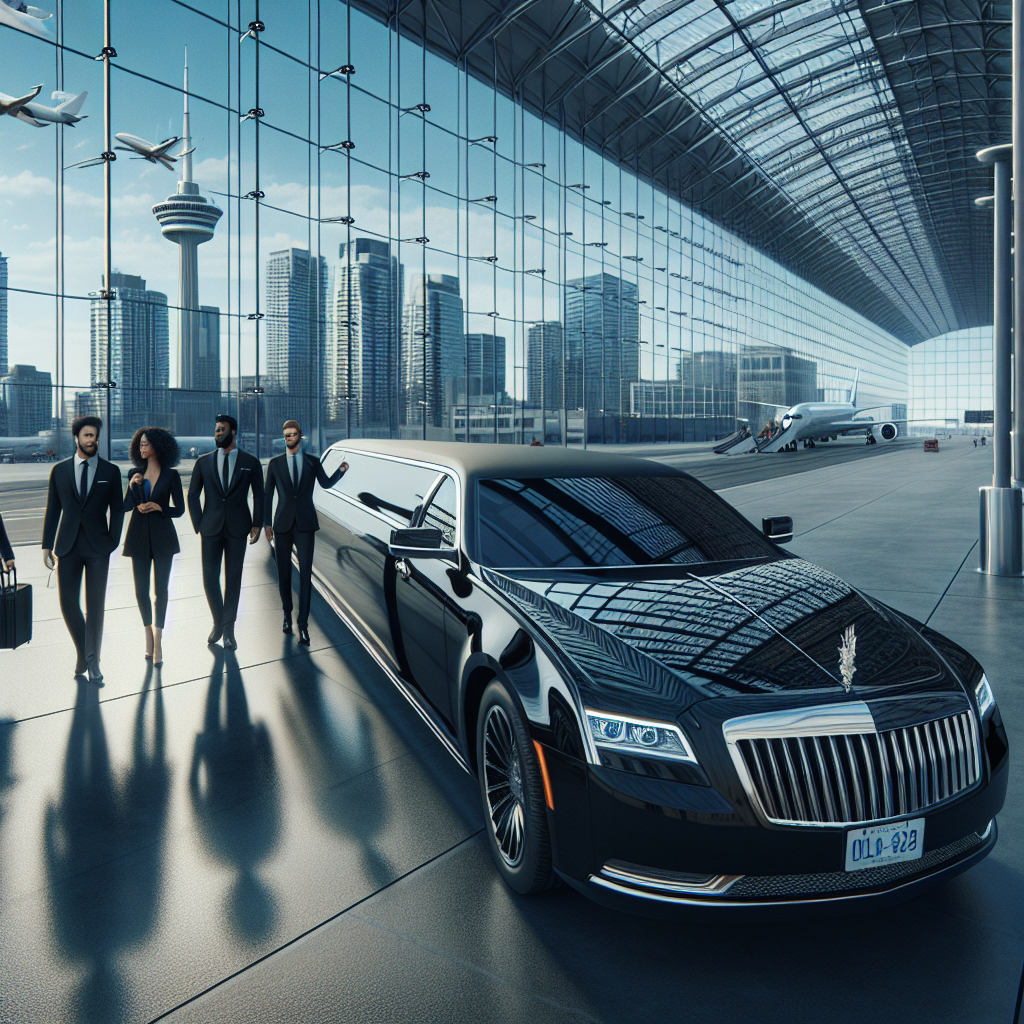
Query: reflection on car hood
(764,627)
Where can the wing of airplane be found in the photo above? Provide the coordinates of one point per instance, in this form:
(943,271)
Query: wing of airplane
(93,161)
(161,147)
(28,20)
(22,116)
(12,104)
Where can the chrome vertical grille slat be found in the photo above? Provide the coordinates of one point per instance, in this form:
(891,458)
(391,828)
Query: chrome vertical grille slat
(849,777)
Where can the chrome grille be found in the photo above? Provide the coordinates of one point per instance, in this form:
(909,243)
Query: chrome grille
(858,777)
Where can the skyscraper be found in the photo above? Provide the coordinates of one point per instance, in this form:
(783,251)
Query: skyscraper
(484,380)
(296,328)
(360,366)
(602,335)
(188,220)
(26,401)
(3,315)
(433,350)
(139,352)
(545,368)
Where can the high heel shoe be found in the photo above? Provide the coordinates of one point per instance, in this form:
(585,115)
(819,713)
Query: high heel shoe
(149,643)
(158,650)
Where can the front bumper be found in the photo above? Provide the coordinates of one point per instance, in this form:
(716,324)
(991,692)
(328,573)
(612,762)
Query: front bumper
(660,849)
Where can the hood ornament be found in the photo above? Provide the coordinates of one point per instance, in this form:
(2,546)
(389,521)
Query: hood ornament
(847,652)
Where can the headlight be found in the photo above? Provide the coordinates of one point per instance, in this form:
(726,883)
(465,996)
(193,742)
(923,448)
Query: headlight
(983,694)
(639,736)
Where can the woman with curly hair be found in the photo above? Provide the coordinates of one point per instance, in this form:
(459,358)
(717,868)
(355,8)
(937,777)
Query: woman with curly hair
(154,495)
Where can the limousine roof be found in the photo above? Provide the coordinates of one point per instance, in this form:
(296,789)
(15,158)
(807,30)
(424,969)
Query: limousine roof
(483,461)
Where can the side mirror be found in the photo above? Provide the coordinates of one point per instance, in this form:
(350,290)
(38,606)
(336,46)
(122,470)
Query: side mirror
(778,528)
(419,542)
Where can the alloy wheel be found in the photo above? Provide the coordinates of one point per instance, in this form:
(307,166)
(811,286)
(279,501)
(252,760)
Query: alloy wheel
(503,781)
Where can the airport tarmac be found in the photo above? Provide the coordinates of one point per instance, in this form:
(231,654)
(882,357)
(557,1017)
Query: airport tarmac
(274,835)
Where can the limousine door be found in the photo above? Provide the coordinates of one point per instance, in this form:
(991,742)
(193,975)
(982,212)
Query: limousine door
(417,590)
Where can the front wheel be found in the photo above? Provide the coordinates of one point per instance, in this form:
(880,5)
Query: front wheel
(512,793)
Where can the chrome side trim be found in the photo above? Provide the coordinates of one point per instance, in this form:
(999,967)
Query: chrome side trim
(674,882)
(425,712)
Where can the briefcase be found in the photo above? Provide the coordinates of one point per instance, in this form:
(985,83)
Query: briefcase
(15,610)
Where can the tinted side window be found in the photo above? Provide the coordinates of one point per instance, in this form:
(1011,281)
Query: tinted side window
(392,489)
(332,459)
(442,513)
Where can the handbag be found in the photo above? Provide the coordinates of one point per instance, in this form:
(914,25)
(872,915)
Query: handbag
(15,610)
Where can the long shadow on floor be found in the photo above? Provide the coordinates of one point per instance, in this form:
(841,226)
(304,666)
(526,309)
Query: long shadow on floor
(101,902)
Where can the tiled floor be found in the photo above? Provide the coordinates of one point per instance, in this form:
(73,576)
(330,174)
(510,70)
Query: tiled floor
(275,835)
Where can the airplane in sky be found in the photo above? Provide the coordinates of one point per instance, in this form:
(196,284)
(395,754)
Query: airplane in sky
(17,14)
(154,152)
(36,114)
(811,422)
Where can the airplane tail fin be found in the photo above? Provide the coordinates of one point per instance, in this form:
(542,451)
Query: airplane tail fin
(853,388)
(74,105)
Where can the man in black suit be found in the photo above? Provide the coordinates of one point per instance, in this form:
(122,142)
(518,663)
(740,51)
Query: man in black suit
(292,475)
(83,490)
(226,475)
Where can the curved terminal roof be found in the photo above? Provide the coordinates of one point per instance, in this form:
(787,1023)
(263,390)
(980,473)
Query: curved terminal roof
(837,136)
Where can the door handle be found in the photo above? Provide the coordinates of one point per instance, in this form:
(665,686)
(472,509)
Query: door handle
(402,568)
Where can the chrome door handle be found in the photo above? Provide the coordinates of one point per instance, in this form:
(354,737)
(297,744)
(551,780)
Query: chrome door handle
(402,568)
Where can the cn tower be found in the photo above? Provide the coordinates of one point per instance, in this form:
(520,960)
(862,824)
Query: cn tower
(187,219)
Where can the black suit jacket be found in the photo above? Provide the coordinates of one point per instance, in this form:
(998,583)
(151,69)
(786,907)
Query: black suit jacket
(64,507)
(153,533)
(295,511)
(228,513)
(6,551)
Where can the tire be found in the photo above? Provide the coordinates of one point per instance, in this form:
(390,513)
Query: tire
(512,794)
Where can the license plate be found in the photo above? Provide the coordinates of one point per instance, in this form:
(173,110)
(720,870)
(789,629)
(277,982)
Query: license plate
(884,844)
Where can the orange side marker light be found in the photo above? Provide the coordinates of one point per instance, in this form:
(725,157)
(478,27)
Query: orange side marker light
(548,798)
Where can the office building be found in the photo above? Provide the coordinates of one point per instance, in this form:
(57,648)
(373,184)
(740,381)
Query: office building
(3,314)
(602,335)
(134,366)
(296,314)
(545,367)
(361,359)
(433,352)
(484,380)
(772,377)
(709,384)
(26,401)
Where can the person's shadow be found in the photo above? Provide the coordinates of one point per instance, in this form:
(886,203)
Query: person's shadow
(104,851)
(234,790)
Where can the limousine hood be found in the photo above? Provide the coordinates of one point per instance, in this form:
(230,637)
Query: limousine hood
(746,628)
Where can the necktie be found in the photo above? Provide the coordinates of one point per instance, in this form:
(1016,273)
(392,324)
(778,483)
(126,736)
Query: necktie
(83,490)
(295,473)
(225,473)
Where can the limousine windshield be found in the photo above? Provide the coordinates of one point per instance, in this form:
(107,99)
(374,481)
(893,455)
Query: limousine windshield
(571,522)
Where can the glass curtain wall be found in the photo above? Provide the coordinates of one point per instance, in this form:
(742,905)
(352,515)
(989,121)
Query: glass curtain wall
(951,383)
(367,239)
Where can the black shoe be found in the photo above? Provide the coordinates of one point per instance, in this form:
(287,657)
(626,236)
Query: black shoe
(215,635)
(286,626)
(230,643)
(95,675)
(303,636)
(80,668)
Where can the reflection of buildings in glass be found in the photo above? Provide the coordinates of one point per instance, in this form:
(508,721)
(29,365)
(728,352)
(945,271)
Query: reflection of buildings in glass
(3,315)
(602,335)
(773,376)
(296,317)
(360,364)
(139,356)
(188,219)
(709,383)
(485,370)
(544,366)
(433,348)
(25,401)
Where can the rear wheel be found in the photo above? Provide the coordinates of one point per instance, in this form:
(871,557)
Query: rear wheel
(512,793)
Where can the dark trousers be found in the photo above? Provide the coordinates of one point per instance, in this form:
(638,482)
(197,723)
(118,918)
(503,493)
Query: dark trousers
(161,574)
(86,630)
(222,546)
(303,541)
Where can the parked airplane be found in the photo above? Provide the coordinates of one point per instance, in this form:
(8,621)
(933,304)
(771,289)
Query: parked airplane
(45,444)
(810,422)
(36,114)
(17,14)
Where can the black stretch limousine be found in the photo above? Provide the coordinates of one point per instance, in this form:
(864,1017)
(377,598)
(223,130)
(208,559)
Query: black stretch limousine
(663,707)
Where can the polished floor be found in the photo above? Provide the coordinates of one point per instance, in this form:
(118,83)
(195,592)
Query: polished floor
(273,835)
